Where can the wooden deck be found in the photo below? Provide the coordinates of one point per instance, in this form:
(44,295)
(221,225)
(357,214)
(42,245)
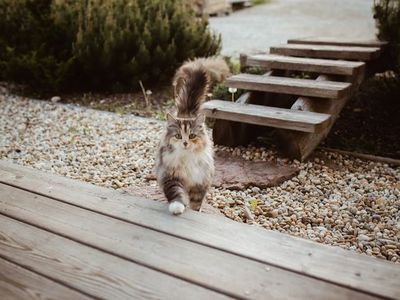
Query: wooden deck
(65,239)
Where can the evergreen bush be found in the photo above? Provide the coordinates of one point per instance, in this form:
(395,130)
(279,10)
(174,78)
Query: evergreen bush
(33,49)
(387,17)
(98,44)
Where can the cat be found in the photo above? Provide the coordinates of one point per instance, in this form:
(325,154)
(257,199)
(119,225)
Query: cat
(185,163)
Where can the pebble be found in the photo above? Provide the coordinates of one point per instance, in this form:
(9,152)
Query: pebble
(363,237)
(55,99)
(355,206)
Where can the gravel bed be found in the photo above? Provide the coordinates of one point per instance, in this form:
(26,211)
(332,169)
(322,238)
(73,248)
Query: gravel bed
(335,200)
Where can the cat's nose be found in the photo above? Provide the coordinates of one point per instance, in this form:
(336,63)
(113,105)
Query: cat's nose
(185,144)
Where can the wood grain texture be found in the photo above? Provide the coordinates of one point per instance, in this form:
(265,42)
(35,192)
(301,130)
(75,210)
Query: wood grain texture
(88,270)
(323,66)
(294,86)
(197,263)
(231,133)
(265,115)
(301,145)
(320,261)
(327,51)
(336,42)
(19,283)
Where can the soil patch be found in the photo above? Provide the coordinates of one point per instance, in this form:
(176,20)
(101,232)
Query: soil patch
(369,122)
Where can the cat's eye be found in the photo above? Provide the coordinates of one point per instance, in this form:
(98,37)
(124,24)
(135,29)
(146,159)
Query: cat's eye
(178,136)
(192,136)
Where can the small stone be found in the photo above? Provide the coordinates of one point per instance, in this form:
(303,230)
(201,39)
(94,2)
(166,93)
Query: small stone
(376,217)
(274,213)
(55,99)
(363,237)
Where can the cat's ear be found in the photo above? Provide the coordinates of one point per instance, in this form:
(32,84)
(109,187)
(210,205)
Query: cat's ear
(200,119)
(170,119)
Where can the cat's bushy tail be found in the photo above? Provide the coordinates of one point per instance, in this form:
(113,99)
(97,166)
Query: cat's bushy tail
(192,81)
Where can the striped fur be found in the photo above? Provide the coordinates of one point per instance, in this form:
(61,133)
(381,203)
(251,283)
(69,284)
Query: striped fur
(185,163)
(192,81)
(192,92)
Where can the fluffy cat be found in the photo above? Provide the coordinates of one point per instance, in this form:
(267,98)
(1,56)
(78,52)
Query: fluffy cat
(185,164)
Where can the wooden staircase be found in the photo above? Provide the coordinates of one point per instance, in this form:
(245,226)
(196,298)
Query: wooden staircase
(293,86)
(303,110)
(327,51)
(323,66)
(268,116)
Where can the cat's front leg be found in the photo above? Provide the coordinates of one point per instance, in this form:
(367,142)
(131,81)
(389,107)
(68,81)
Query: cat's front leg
(196,196)
(175,193)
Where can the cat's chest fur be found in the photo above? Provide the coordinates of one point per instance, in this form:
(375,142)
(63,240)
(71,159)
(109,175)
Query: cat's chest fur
(193,168)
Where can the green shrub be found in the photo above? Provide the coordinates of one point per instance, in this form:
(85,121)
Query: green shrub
(387,17)
(369,122)
(221,92)
(98,44)
(33,49)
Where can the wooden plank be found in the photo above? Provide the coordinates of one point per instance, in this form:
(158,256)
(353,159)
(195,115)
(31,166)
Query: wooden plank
(230,133)
(323,66)
(20,283)
(336,42)
(363,156)
(89,270)
(187,260)
(266,115)
(326,51)
(216,7)
(293,86)
(300,255)
(299,145)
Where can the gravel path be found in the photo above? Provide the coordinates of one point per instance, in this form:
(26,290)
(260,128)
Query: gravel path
(259,27)
(334,200)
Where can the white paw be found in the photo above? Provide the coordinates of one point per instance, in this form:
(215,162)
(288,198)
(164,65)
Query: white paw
(176,208)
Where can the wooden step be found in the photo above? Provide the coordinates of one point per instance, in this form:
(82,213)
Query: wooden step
(266,116)
(324,66)
(336,42)
(327,51)
(293,86)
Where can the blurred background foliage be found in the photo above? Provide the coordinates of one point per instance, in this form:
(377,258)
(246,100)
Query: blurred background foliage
(387,17)
(97,45)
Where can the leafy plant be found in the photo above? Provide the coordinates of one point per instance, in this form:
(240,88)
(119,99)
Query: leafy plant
(258,2)
(98,44)
(387,17)
(222,92)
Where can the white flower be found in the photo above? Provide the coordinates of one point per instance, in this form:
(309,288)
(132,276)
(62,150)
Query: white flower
(232,90)
(148,92)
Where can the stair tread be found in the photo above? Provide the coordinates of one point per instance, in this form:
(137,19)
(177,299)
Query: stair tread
(327,66)
(336,42)
(327,51)
(266,115)
(294,86)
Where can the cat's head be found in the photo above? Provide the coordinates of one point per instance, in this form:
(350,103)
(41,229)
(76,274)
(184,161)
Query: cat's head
(186,133)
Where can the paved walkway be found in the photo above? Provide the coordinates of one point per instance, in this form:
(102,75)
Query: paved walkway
(257,28)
